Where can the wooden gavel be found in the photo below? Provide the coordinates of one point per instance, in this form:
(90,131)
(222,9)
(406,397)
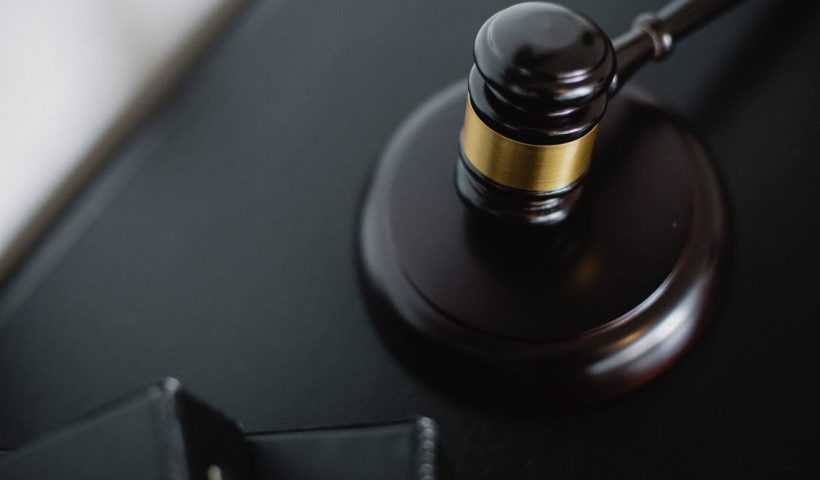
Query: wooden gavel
(514,268)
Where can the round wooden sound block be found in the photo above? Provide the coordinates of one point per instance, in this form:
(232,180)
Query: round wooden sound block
(584,310)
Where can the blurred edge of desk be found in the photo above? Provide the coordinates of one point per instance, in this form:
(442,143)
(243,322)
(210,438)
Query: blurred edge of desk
(42,178)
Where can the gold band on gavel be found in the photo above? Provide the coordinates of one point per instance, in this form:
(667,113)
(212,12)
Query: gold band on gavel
(521,165)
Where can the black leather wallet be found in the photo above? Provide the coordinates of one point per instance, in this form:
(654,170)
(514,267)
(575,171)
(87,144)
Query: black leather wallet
(163,433)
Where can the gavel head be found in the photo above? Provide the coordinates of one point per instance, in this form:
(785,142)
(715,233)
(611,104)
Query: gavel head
(537,91)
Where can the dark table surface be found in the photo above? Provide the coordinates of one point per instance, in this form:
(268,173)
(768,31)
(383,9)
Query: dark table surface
(218,246)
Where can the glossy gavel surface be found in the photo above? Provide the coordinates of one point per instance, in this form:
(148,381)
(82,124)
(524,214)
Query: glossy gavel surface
(219,247)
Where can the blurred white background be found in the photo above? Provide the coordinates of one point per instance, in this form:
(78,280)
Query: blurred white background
(74,76)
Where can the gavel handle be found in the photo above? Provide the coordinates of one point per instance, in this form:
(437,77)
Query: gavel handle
(653,35)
